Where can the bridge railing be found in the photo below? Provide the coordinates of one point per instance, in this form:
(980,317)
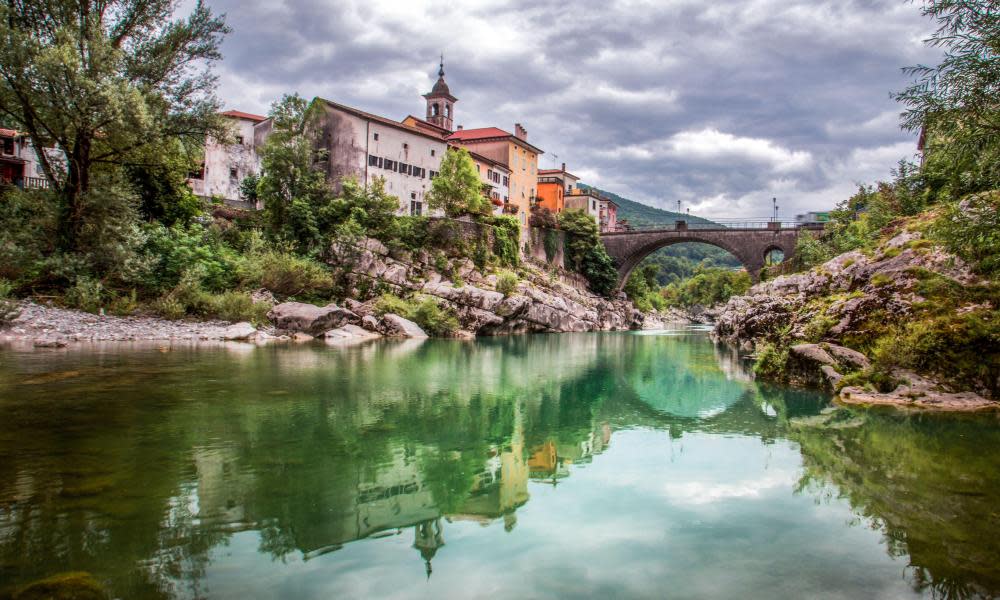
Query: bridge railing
(682,224)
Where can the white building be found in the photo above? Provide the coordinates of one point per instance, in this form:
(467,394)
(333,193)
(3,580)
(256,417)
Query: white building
(496,180)
(225,166)
(367,146)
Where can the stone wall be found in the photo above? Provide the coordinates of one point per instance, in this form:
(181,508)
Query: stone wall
(534,246)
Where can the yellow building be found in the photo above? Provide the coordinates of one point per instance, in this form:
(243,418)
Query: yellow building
(513,151)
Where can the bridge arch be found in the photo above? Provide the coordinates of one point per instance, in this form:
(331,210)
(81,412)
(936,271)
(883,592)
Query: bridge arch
(749,246)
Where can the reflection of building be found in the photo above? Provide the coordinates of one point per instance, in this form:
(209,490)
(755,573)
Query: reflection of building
(550,460)
(427,538)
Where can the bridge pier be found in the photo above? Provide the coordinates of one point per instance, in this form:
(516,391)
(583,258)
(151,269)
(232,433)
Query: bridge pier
(749,246)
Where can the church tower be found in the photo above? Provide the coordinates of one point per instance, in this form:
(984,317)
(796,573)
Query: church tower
(440,103)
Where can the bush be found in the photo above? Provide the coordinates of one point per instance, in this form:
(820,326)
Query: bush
(424,311)
(283,273)
(771,361)
(175,250)
(506,240)
(971,229)
(586,254)
(507,283)
(86,294)
(8,306)
(959,348)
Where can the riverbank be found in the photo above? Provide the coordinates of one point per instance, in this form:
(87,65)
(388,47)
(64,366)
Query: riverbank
(905,324)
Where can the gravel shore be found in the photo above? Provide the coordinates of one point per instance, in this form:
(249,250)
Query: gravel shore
(47,325)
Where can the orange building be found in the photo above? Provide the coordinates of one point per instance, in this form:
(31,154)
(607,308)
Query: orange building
(553,187)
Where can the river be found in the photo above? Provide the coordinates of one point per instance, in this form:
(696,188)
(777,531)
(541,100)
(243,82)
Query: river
(577,465)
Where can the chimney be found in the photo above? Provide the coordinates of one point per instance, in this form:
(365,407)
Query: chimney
(520,132)
(564,167)
(460,127)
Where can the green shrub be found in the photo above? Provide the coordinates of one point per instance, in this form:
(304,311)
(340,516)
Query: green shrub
(86,294)
(124,305)
(424,311)
(434,319)
(881,280)
(772,360)
(177,249)
(971,229)
(961,349)
(818,327)
(8,306)
(506,240)
(284,274)
(506,283)
(169,308)
(235,306)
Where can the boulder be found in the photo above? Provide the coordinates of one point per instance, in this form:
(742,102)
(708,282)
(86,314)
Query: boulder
(848,359)
(371,323)
(307,318)
(349,333)
(298,336)
(397,326)
(238,332)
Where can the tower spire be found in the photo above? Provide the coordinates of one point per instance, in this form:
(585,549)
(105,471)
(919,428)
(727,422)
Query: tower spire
(440,102)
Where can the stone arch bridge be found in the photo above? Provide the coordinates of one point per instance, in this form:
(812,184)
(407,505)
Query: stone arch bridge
(749,242)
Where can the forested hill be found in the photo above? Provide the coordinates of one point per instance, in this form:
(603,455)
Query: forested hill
(640,215)
(673,262)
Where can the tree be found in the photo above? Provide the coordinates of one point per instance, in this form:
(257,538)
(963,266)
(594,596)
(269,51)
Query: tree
(457,189)
(297,199)
(586,253)
(102,80)
(958,100)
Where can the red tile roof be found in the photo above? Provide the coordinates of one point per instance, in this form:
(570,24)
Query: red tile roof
(486,133)
(478,134)
(8,132)
(239,114)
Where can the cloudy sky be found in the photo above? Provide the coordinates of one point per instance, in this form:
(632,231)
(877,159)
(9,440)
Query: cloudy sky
(721,105)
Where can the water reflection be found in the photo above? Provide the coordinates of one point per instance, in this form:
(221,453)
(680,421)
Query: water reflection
(167,473)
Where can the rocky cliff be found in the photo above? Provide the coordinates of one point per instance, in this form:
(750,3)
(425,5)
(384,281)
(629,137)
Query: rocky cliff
(866,325)
(544,300)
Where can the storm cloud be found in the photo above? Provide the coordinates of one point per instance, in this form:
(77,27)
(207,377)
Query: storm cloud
(721,105)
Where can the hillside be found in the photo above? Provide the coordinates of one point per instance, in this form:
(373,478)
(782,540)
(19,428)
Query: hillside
(673,262)
(641,215)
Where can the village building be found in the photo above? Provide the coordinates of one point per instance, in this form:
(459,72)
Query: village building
(515,153)
(553,187)
(366,146)
(19,164)
(608,220)
(225,165)
(496,180)
(586,200)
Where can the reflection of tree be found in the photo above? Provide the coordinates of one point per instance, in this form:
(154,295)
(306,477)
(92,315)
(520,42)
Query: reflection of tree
(925,482)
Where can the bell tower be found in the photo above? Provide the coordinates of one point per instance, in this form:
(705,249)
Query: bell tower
(440,102)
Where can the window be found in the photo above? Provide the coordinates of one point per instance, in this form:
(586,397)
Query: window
(406,146)
(375,136)
(447,110)
(434,174)
(8,145)
(379,164)
(489,174)
(390,165)
(413,195)
(416,208)
(506,181)
(233,173)
(404,168)
(432,152)
(239,140)
(199,174)
(372,160)
(434,109)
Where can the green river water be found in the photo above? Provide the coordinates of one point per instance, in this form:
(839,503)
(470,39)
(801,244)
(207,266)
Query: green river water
(604,465)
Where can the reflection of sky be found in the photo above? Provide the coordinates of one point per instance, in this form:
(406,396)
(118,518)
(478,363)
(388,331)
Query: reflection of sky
(706,516)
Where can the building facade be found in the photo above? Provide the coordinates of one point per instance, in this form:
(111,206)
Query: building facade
(19,163)
(226,165)
(553,186)
(366,146)
(496,181)
(608,220)
(586,200)
(515,153)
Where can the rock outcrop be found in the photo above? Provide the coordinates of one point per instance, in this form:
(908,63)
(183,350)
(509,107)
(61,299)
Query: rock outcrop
(542,302)
(819,314)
